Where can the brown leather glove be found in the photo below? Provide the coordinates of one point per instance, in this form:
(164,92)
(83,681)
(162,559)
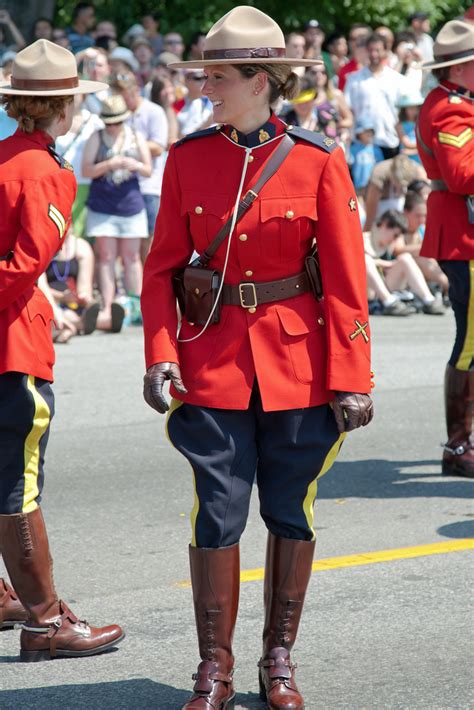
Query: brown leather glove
(352,410)
(153,384)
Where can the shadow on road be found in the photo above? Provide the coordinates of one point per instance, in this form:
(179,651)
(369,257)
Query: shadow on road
(139,693)
(379,478)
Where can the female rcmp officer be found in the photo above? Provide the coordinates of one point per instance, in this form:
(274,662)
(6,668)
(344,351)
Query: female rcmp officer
(252,392)
(37,189)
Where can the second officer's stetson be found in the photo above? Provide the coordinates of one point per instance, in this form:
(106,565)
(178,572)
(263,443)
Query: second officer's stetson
(244,35)
(454,44)
(46,69)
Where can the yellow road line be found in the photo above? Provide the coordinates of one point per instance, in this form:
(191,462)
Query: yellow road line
(368,558)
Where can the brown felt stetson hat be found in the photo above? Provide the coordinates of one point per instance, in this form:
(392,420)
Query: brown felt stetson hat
(244,35)
(46,69)
(454,44)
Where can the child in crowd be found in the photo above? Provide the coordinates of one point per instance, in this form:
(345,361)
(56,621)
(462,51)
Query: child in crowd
(409,106)
(67,283)
(363,155)
(387,273)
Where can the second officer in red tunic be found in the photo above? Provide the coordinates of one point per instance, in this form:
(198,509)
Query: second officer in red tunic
(446,147)
(253,392)
(37,189)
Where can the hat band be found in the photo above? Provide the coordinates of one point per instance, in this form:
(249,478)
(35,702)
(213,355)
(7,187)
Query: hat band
(455,55)
(251,53)
(44,84)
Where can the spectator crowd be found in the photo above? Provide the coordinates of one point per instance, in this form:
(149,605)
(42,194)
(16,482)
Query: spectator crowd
(366,96)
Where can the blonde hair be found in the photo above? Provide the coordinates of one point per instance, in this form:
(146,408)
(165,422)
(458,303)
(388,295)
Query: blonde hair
(35,112)
(283,81)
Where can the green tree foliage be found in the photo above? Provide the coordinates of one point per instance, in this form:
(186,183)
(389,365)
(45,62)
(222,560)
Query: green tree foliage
(187,16)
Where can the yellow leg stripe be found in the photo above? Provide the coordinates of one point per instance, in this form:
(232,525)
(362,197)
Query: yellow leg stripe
(367,558)
(176,404)
(308,503)
(41,420)
(467,353)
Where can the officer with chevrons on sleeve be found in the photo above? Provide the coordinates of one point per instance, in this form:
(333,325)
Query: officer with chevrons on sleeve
(37,190)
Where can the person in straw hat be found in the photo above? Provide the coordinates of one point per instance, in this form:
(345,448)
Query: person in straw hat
(37,190)
(252,390)
(445,135)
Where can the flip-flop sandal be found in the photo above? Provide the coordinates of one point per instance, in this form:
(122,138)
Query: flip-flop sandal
(118,314)
(89,318)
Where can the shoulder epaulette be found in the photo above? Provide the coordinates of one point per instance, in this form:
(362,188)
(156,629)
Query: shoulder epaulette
(320,141)
(213,130)
(62,162)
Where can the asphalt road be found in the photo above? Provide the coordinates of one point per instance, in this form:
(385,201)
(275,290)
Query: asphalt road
(393,634)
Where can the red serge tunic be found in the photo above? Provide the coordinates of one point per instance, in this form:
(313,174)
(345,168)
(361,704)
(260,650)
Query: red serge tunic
(36,196)
(299,350)
(446,127)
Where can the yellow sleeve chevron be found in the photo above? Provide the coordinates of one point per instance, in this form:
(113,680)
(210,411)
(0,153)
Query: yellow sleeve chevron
(456,141)
(57,217)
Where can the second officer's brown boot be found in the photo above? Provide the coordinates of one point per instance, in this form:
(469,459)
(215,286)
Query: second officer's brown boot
(215,577)
(51,629)
(287,573)
(12,610)
(458,455)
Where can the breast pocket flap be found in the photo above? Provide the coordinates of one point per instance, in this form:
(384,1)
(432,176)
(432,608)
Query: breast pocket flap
(201,205)
(288,208)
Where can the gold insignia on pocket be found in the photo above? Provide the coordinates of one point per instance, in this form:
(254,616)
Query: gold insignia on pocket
(328,141)
(58,218)
(456,141)
(263,136)
(361,327)
(352,205)
(453,99)
(234,136)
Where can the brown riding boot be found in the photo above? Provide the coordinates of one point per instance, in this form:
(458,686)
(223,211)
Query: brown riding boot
(287,574)
(458,456)
(12,610)
(51,630)
(215,577)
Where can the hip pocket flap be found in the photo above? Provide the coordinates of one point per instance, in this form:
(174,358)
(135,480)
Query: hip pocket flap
(39,306)
(295,323)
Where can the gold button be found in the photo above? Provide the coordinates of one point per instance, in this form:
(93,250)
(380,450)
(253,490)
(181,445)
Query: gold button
(243,237)
(290,214)
(249,273)
(250,158)
(290,127)
(321,321)
(196,291)
(252,310)
(198,209)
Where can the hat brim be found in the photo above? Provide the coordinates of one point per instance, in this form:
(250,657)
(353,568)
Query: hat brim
(289,61)
(110,120)
(426,66)
(85,87)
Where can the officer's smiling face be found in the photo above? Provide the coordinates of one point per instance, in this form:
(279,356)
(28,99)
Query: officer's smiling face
(234,98)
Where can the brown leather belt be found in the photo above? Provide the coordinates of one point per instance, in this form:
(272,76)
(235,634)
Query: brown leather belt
(250,294)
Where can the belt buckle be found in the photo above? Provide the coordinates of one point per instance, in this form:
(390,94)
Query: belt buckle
(242,294)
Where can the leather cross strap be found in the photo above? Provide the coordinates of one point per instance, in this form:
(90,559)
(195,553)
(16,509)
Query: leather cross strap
(271,166)
(250,294)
